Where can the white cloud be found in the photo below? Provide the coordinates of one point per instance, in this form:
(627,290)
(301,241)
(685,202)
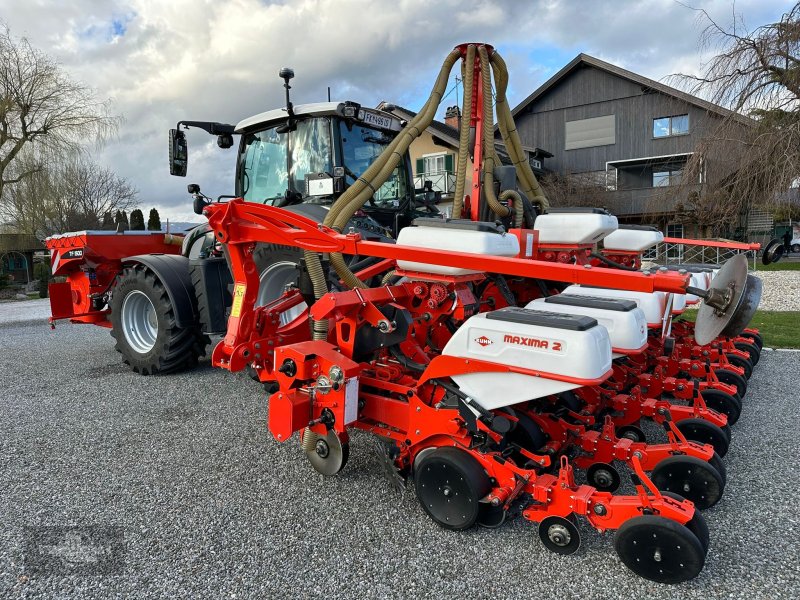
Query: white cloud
(166,61)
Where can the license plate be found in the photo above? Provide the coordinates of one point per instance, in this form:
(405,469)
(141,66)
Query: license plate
(376,120)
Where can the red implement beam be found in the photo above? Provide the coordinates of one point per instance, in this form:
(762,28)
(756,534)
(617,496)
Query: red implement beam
(240,222)
(713,244)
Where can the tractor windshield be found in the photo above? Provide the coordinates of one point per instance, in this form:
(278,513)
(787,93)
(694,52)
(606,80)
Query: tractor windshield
(361,145)
(272,163)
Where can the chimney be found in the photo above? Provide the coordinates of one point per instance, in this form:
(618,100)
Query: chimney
(452,117)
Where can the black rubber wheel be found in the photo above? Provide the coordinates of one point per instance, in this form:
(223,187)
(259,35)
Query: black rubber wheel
(724,403)
(716,462)
(144,326)
(795,248)
(703,432)
(697,524)
(755,338)
(603,477)
(692,478)
(751,348)
(660,549)
(726,429)
(732,378)
(450,484)
(631,432)
(743,363)
(527,434)
(559,535)
(773,251)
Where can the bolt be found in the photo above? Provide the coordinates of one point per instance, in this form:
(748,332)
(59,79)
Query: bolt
(600,510)
(638,455)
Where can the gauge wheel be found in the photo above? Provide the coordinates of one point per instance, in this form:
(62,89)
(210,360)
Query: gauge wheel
(692,478)
(751,348)
(733,378)
(743,363)
(144,326)
(704,432)
(660,549)
(755,338)
(724,403)
(450,485)
(697,524)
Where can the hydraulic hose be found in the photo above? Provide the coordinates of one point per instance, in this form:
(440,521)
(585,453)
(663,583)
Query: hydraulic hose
(467,76)
(508,131)
(379,171)
(611,263)
(316,273)
(489,155)
(519,209)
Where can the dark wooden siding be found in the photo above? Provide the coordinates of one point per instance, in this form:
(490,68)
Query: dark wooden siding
(590,92)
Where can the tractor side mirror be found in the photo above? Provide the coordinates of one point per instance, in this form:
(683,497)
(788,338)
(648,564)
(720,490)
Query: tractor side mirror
(178,153)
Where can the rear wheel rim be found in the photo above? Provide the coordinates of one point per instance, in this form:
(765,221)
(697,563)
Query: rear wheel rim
(271,284)
(139,322)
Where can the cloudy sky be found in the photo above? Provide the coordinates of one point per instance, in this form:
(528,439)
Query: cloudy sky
(164,61)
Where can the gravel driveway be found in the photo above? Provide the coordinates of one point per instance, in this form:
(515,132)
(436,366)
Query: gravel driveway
(206,504)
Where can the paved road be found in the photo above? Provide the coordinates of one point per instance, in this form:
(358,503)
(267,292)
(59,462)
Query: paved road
(209,505)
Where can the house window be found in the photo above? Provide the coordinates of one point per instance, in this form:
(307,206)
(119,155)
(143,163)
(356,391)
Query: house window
(667,177)
(587,133)
(435,164)
(667,126)
(675,251)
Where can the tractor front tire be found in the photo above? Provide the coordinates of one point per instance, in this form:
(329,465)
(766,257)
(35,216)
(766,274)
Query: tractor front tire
(145,329)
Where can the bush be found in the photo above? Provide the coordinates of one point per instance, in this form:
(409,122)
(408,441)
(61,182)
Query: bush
(41,271)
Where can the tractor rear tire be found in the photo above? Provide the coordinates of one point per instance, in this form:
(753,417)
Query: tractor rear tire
(145,329)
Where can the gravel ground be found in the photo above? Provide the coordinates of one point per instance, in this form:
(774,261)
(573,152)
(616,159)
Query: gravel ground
(211,506)
(781,290)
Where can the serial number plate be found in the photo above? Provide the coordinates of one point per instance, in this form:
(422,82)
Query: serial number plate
(377,120)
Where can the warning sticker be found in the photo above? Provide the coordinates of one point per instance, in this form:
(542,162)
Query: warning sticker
(238,298)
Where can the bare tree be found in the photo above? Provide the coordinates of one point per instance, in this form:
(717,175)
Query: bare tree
(574,189)
(752,157)
(42,110)
(67,197)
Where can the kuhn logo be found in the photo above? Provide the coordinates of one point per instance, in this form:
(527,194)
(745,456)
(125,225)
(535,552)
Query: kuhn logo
(532,342)
(483,341)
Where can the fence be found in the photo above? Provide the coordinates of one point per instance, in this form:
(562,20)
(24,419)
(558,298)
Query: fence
(442,181)
(679,250)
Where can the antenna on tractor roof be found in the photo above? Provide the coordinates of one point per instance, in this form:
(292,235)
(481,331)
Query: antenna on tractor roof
(287,74)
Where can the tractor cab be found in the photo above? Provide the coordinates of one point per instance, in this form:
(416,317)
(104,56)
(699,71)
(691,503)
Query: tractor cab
(309,155)
(314,155)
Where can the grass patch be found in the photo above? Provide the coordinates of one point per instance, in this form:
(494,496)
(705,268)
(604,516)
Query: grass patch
(780,329)
(784,265)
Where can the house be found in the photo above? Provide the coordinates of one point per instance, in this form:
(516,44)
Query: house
(434,153)
(629,136)
(16,255)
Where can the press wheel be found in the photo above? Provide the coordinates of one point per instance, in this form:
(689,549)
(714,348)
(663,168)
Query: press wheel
(631,432)
(450,484)
(692,478)
(559,535)
(603,477)
(660,549)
